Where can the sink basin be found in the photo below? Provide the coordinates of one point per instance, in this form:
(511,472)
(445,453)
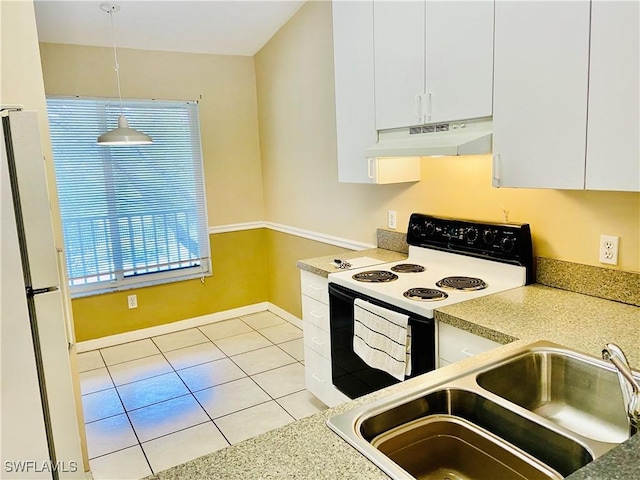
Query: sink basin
(457,449)
(538,411)
(525,440)
(581,395)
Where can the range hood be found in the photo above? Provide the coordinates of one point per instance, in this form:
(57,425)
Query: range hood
(468,137)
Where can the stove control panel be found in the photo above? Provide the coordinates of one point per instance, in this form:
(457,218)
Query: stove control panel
(505,242)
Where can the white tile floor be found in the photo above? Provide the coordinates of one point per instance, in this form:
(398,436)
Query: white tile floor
(162,401)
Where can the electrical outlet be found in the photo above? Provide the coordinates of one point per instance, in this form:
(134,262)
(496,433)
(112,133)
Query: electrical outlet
(609,249)
(132,301)
(391,218)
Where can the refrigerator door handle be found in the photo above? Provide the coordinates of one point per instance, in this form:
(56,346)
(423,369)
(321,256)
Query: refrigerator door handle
(66,300)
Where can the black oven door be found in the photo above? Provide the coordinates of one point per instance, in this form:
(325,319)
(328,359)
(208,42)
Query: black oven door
(350,374)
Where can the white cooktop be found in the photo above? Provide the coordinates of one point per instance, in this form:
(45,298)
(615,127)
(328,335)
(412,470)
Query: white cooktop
(497,275)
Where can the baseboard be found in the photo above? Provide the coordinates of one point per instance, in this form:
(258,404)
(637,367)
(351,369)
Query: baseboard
(284,314)
(141,334)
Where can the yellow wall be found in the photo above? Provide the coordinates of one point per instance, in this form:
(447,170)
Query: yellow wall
(269,142)
(21,79)
(239,279)
(21,83)
(224,87)
(283,251)
(294,73)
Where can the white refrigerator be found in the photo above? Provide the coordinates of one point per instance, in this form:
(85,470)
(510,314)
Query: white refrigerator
(39,427)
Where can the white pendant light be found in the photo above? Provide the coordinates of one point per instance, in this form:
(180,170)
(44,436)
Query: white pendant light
(123,134)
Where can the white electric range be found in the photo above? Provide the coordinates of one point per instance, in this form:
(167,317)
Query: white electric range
(449,261)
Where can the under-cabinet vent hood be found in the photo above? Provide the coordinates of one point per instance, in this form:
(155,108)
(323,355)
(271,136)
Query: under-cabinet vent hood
(468,137)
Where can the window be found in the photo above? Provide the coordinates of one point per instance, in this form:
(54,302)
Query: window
(131,215)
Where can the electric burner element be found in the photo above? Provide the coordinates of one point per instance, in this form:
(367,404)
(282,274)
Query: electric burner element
(462,283)
(375,276)
(408,268)
(425,294)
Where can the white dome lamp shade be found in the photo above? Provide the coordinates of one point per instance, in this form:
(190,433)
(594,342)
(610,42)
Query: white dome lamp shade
(123,134)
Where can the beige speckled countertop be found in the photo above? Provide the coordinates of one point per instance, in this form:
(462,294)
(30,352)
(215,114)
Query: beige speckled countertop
(308,449)
(323,266)
(536,312)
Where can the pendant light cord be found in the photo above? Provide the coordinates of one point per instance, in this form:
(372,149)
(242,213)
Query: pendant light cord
(115,59)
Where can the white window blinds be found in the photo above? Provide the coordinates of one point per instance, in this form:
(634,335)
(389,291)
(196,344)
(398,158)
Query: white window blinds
(131,215)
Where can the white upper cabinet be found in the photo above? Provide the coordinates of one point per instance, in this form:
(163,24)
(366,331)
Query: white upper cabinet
(540,93)
(353,64)
(354,90)
(565,111)
(613,143)
(433,61)
(399,37)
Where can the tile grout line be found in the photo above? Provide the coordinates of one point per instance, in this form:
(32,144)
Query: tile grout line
(193,395)
(274,399)
(190,392)
(129,420)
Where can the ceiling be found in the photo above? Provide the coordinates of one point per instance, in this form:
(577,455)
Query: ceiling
(227,27)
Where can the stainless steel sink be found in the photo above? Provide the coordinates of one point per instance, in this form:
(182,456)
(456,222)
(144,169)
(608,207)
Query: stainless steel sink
(580,394)
(458,449)
(526,440)
(541,411)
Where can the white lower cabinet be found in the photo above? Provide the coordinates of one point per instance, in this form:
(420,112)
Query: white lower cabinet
(455,344)
(317,339)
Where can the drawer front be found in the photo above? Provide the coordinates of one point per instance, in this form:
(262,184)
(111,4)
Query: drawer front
(318,340)
(314,286)
(317,375)
(456,344)
(315,312)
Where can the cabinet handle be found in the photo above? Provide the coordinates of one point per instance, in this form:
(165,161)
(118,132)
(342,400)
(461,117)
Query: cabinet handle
(418,107)
(427,106)
(316,378)
(313,339)
(466,353)
(315,287)
(370,167)
(317,315)
(495,180)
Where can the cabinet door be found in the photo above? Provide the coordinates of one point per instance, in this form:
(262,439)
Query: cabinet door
(459,59)
(455,344)
(353,63)
(540,93)
(399,36)
(613,149)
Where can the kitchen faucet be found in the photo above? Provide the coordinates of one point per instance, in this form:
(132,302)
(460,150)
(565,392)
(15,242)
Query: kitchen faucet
(628,384)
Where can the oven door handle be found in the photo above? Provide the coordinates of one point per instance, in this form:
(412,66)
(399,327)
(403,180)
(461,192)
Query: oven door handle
(337,292)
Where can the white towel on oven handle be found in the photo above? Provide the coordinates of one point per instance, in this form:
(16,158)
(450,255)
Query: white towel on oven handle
(382,338)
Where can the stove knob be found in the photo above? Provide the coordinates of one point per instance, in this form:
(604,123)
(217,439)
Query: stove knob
(471,234)
(488,236)
(507,244)
(430,228)
(417,230)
